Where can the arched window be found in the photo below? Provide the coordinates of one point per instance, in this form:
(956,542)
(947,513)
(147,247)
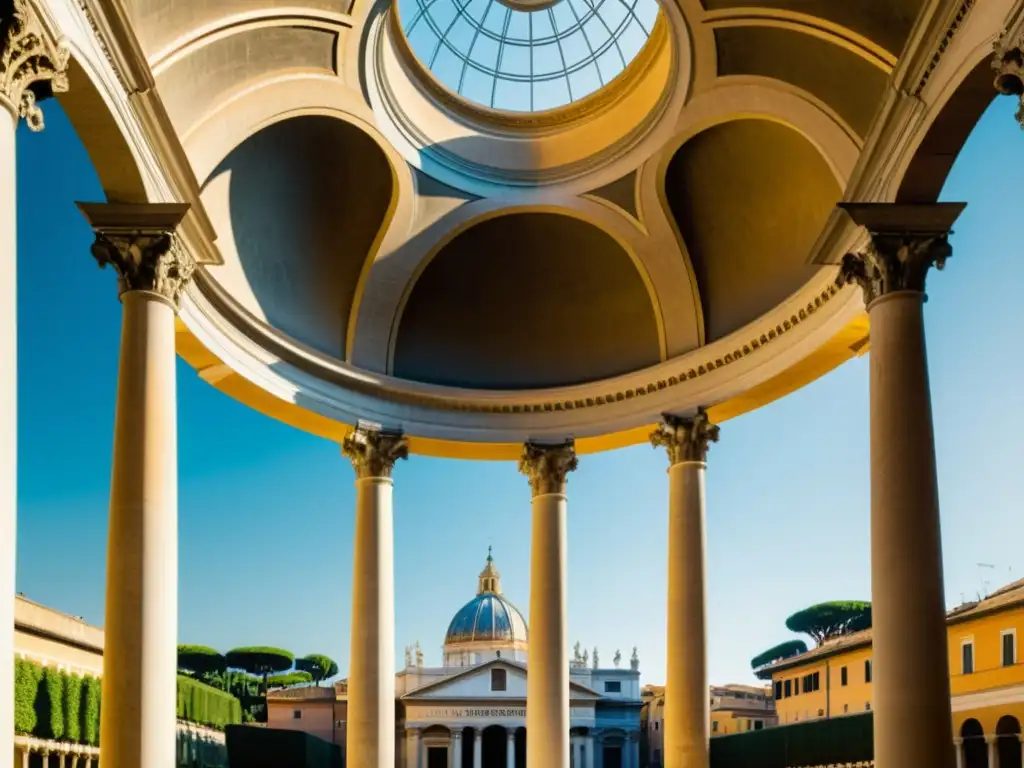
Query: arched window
(975,751)
(1008,742)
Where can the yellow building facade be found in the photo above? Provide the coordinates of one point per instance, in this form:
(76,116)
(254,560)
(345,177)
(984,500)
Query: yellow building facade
(986,669)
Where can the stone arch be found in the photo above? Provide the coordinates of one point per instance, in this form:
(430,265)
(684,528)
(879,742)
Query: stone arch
(1008,746)
(975,751)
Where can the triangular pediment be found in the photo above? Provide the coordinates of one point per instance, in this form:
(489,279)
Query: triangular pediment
(475,683)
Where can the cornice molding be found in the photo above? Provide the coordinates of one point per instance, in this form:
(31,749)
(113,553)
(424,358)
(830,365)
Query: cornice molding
(33,62)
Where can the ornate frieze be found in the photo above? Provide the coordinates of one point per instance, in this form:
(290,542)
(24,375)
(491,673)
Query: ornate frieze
(685,439)
(33,65)
(894,263)
(146,261)
(373,452)
(1009,64)
(547,466)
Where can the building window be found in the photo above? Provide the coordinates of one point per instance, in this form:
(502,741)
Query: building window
(758,725)
(655,725)
(796,686)
(967,657)
(867,670)
(612,686)
(817,681)
(296,714)
(714,726)
(778,689)
(846,708)
(842,676)
(821,713)
(498,680)
(1009,637)
(786,688)
(867,706)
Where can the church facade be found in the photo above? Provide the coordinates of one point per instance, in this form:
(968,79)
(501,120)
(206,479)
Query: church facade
(471,712)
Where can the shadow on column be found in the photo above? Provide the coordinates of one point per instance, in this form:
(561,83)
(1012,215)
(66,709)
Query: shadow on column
(975,749)
(1008,741)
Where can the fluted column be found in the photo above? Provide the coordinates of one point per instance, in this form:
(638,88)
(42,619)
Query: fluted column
(686,441)
(547,681)
(510,748)
(370,737)
(137,720)
(910,669)
(32,63)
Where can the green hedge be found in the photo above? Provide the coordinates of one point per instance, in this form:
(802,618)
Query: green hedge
(204,704)
(846,739)
(58,705)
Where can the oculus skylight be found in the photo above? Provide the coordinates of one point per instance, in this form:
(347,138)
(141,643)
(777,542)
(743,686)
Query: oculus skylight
(512,56)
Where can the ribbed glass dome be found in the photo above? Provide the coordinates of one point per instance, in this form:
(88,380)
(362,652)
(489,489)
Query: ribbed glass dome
(519,57)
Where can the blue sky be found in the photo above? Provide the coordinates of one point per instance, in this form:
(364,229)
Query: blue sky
(266,512)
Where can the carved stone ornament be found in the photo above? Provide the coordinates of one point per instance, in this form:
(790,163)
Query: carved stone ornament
(33,65)
(894,263)
(1009,66)
(373,452)
(685,439)
(151,261)
(547,466)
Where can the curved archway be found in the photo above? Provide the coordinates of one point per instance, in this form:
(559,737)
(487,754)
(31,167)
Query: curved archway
(437,741)
(975,751)
(299,207)
(493,747)
(749,198)
(1008,746)
(590,312)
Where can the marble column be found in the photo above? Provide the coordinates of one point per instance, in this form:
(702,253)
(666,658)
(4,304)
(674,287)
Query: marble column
(370,740)
(686,441)
(456,749)
(588,755)
(547,685)
(478,737)
(23,78)
(910,668)
(137,720)
(510,749)
(958,745)
(992,742)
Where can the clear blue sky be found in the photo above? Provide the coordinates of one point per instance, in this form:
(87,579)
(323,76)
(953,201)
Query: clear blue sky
(267,512)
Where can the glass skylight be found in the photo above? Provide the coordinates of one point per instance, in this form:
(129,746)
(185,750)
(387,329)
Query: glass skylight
(526,60)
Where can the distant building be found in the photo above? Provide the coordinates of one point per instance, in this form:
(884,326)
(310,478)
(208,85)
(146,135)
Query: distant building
(733,708)
(986,672)
(54,639)
(471,712)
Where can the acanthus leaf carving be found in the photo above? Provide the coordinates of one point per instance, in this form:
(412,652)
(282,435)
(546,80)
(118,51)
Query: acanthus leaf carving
(151,261)
(33,65)
(547,466)
(893,263)
(685,439)
(373,452)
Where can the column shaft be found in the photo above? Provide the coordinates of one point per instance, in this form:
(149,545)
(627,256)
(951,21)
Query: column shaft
(686,686)
(588,757)
(456,750)
(8,424)
(910,667)
(370,741)
(547,685)
(510,750)
(477,747)
(137,721)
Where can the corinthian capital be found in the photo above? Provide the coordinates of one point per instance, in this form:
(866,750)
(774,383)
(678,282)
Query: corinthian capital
(33,63)
(1008,63)
(685,439)
(141,243)
(906,241)
(547,466)
(373,452)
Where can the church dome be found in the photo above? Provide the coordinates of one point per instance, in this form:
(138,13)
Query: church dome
(488,617)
